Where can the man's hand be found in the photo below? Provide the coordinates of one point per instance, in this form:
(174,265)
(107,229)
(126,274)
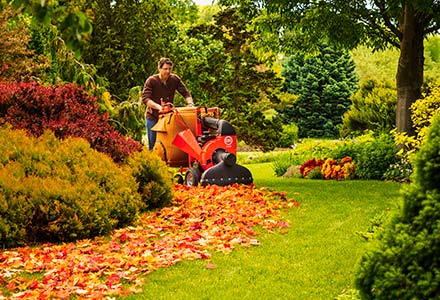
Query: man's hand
(190,102)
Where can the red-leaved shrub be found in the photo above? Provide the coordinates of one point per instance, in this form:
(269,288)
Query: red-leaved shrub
(67,110)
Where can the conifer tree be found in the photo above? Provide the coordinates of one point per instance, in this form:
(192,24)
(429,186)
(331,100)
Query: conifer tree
(405,263)
(323,84)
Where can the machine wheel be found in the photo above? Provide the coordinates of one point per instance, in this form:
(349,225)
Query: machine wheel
(192,177)
(178,178)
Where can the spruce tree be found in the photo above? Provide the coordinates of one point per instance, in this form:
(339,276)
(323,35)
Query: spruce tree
(323,84)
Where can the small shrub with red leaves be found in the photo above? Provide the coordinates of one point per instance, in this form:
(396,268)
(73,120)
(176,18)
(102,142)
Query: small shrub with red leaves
(67,110)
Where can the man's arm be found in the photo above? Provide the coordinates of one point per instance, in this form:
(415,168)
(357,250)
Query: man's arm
(147,91)
(153,105)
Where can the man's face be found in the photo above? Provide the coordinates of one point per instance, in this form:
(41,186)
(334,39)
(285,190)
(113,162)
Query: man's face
(165,71)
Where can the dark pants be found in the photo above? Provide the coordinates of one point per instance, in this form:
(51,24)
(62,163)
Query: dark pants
(151,135)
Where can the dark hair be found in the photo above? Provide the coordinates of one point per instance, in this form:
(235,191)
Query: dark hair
(163,61)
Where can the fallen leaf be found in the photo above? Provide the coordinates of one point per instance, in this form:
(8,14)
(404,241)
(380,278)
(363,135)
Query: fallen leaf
(201,219)
(210,266)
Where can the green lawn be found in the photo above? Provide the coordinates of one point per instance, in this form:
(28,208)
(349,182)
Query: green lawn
(314,259)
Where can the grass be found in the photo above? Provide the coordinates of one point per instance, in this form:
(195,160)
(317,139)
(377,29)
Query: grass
(314,259)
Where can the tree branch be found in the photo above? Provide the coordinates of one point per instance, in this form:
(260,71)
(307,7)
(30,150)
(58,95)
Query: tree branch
(386,18)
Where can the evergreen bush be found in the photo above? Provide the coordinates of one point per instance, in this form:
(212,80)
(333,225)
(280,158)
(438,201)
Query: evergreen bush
(153,177)
(66,110)
(53,190)
(404,262)
(373,109)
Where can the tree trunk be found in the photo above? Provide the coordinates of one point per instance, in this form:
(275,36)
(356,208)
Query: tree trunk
(409,78)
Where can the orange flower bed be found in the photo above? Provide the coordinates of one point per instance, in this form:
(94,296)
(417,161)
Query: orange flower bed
(330,168)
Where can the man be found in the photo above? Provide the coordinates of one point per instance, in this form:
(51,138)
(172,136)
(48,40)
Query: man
(160,88)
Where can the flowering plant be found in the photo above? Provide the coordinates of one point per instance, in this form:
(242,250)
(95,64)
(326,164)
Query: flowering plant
(332,169)
(310,165)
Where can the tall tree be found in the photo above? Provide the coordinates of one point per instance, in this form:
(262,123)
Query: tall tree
(379,24)
(236,79)
(323,84)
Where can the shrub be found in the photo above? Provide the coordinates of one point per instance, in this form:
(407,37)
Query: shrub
(404,262)
(328,169)
(372,155)
(310,165)
(423,111)
(323,84)
(373,108)
(67,111)
(52,190)
(288,136)
(153,177)
(307,149)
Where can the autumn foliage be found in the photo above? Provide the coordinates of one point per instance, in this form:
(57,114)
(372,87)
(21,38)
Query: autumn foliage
(66,110)
(200,220)
(310,165)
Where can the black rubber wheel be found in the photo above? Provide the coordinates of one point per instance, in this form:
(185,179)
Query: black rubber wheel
(178,178)
(192,177)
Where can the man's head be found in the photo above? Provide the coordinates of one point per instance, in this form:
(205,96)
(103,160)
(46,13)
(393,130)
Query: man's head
(165,65)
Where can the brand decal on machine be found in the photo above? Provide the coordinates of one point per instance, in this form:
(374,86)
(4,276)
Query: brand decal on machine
(228,140)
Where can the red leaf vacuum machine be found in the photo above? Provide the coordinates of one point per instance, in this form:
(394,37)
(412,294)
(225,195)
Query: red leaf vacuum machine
(201,145)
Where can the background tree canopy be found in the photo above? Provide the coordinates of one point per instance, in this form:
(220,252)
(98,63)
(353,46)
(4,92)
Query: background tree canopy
(300,25)
(228,56)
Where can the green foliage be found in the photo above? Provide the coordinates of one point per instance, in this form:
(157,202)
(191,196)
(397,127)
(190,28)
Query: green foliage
(128,39)
(64,67)
(71,22)
(302,152)
(422,113)
(259,156)
(153,177)
(372,155)
(282,164)
(404,262)
(288,136)
(373,109)
(233,77)
(264,132)
(323,84)
(375,157)
(129,116)
(52,190)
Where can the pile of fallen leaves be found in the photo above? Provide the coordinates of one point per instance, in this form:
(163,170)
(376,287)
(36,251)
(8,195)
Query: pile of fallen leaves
(201,219)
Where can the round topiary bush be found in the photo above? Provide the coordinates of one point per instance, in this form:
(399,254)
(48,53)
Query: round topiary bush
(60,190)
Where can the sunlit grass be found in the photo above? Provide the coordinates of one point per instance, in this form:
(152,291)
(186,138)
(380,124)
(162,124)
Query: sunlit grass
(314,259)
